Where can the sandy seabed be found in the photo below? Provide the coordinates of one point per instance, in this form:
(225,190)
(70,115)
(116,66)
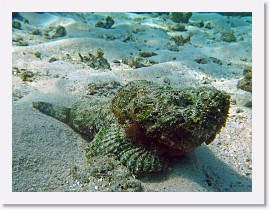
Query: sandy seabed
(45,151)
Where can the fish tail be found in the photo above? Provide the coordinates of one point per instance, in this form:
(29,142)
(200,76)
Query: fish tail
(58,112)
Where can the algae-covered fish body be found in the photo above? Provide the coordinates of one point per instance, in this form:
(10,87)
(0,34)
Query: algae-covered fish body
(177,120)
(144,123)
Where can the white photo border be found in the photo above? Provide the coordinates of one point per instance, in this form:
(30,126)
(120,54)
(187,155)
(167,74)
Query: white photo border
(257,196)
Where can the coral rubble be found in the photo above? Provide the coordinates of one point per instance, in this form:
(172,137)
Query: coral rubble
(178,27)
(138,62)
(180,17)
(107,24)
(246,82)
(228,36)
(16,24)
(96,61)
(147,54)
(180,40)
(52,32)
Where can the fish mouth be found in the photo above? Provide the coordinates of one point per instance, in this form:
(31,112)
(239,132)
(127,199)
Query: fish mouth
(211,105)
(210,114)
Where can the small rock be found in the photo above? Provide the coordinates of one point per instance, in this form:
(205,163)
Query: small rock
(248,104)
(199,24)
(208,25)
(147,54)
(109,37)
(228,36)
(27,76)
(129,37)
(116,61)
(26,21)
(59,31)
(17,38)
(201,60)
(107,24)
(180,40)
(52,32)
(172,47)
(246,82)
(36,32)
(52,59)
(180,17)
(22,43)
(138,62)
(215,60)
(37,54)
(243,59)
(96,61)
(16,24)
(178,27)
(239,110)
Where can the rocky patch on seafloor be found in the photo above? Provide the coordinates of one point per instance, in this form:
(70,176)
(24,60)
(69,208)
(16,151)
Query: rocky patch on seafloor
(137,62)
(16,24)
(246,82)
(107,24)
(96,61)
(228,36)
(147,54)
(18,40)
(180,40)
(199,24)
(178,27)
(203,60)
(24,74)
(144,123)
(52,32)
(180,17)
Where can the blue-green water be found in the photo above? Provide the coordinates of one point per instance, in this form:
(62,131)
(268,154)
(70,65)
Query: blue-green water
(61,58)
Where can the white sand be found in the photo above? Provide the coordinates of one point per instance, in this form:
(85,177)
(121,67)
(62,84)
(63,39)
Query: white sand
(45,150)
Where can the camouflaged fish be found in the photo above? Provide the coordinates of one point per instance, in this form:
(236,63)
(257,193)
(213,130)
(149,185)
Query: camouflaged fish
(144,123)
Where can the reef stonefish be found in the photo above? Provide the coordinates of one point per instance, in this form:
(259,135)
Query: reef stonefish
(144,123)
